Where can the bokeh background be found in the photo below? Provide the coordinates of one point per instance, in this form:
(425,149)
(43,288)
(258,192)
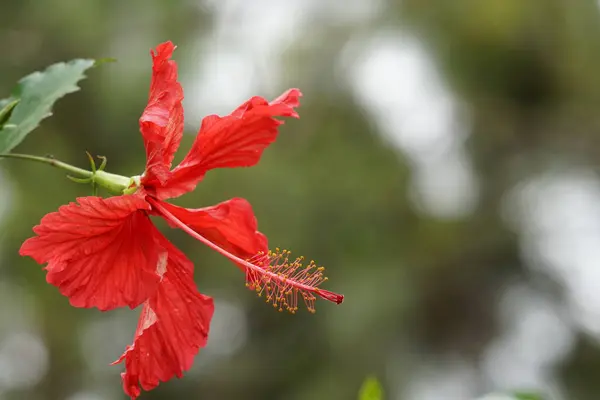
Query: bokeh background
(444,169)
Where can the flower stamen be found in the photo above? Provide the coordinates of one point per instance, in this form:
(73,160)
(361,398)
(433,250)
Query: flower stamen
(284,279)
(271,274)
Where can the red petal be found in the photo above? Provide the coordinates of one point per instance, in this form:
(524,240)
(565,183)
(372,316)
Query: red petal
(161,123)
(173,326)
(236,140)
(101,252)
(231,225)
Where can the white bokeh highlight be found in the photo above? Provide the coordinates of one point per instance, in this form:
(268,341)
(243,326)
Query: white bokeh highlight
(23,360)
(557,216)
(244,54)
(395,81)
(228,335)
(104,339)
(534,339)
(442,378)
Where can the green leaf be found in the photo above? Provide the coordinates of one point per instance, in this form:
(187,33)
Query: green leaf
(370,390)
(36,94)
(518,395)
(527,396)
(6,108)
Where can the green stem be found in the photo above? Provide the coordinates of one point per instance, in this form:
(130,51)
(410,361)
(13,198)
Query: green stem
(52,162)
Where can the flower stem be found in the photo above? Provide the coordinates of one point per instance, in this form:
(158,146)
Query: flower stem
(52,162)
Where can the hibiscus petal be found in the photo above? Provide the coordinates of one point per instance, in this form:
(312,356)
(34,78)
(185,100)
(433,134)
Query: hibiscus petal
(101,252)
(173,326)
(236,140)
(161,123)
(231,225)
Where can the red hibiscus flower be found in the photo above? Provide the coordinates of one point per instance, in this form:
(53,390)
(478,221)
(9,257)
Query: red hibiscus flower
(106,253)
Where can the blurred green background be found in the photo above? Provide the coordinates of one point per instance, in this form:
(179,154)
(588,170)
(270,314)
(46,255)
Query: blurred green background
(444,170)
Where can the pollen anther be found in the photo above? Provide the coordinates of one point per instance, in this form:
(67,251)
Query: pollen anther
(282,279)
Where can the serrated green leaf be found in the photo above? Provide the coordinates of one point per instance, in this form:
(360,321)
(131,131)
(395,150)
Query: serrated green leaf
(370,390)
(36,94)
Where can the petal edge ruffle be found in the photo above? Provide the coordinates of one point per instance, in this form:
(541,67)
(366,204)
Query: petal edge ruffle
(161,123)
(99,252)
(236,140)
(173,327)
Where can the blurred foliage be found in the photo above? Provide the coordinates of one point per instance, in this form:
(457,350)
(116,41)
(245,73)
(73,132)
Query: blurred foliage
(527,396)
(371,390)
(419,289)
